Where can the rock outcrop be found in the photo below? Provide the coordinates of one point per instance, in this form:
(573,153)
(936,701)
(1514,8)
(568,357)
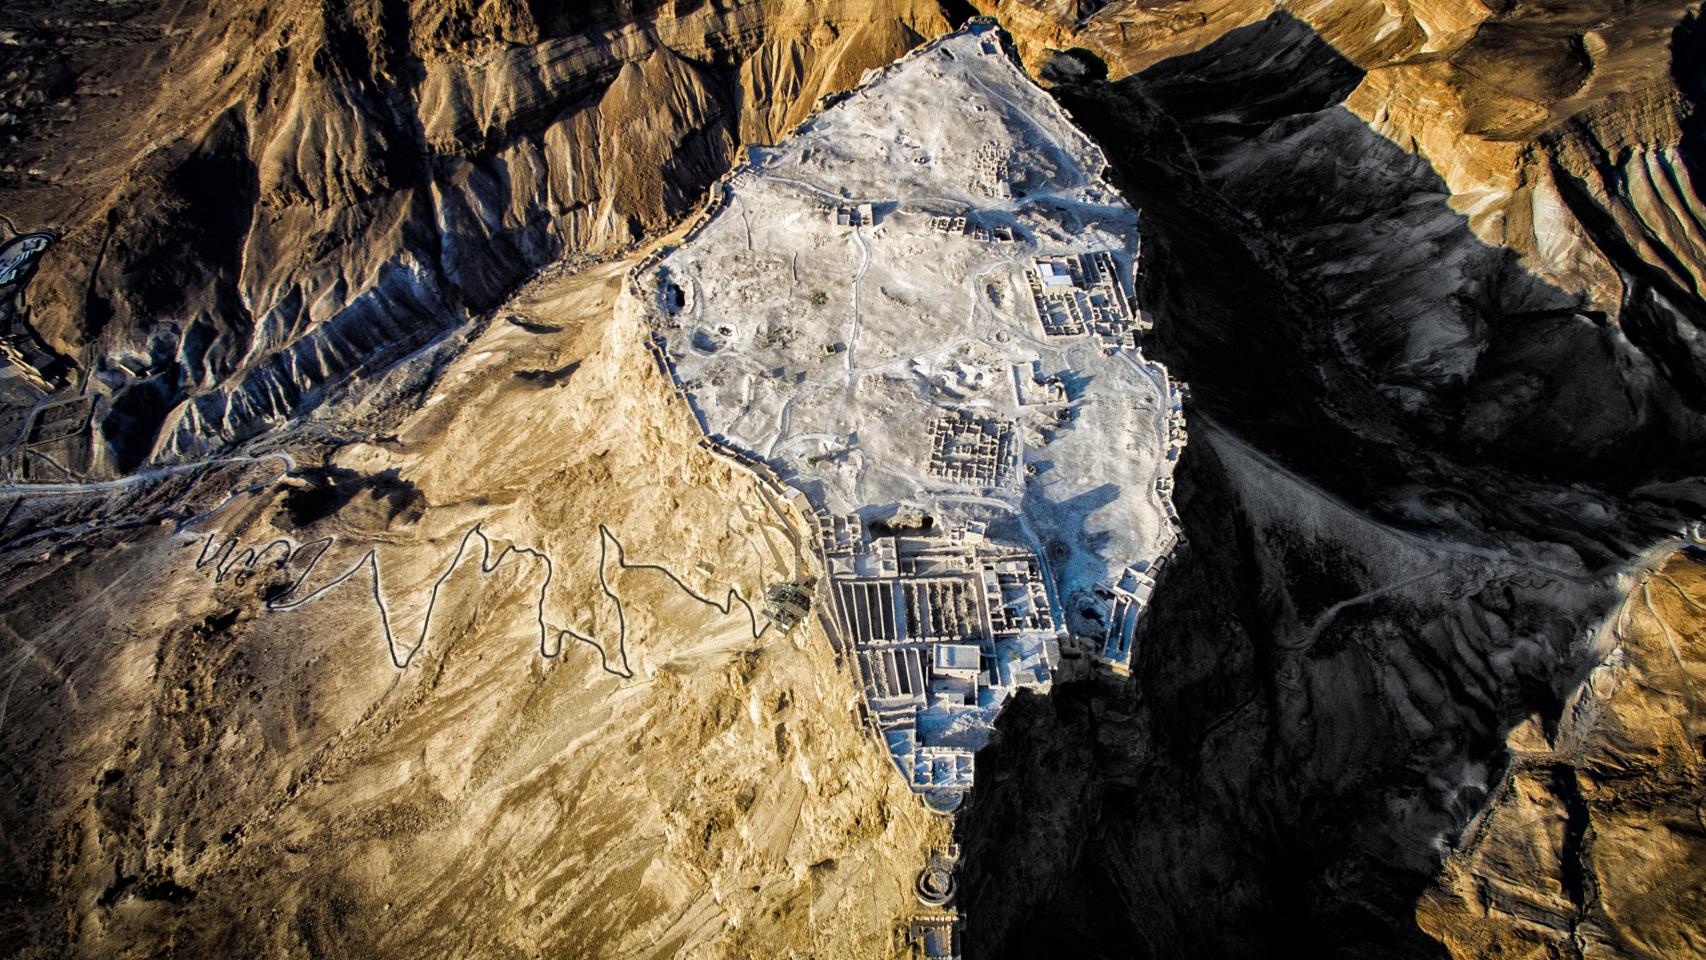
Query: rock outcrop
(1431,429)
(1431,268)
(243,770)
(1593,843)
(320,190)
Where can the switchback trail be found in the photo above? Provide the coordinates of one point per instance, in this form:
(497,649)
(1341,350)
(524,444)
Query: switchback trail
(227,556)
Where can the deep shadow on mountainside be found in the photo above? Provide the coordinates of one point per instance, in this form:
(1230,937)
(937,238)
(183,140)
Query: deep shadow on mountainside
(263,206)
(1416,468)
(1390,566)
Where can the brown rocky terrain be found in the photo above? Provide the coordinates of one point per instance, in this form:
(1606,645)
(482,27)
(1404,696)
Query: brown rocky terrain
(1431,268)
(1426,444)
(234,780)
(305,193)
(1594,842)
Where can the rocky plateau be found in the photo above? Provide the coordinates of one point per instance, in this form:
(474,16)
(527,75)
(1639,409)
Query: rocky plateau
(364,591)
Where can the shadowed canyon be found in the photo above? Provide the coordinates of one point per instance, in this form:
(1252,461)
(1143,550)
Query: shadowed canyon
(369,588)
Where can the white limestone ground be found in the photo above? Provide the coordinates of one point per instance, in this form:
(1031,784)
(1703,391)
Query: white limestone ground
(915,311)
(837,351)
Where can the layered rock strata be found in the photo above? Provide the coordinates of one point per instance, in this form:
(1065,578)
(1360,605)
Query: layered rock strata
(317,191)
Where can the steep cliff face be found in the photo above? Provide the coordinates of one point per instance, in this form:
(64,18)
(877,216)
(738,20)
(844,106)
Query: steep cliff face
(319,190)
(489,687)
(1586,206)
(1592,844)
(1431,268)
(1441,399)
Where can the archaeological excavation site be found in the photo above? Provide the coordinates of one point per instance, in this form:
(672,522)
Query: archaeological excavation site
(853,479)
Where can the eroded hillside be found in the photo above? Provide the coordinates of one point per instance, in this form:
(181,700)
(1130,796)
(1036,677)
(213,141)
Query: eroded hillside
(578,749)
(1431,269)
(1424,450)
(1592,843)
(260,203)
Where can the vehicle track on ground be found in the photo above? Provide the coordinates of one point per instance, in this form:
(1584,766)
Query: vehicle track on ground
(139,477)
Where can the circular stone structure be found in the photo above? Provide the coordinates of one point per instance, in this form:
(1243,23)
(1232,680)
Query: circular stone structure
(942,803)
(935,885)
